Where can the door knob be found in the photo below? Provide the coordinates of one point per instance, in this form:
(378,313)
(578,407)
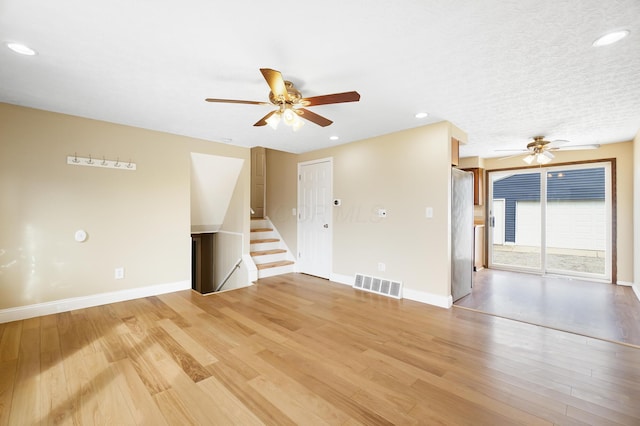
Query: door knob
(326,225)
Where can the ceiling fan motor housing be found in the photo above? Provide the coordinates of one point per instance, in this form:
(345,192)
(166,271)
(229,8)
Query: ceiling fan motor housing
(293,94)
(538,145)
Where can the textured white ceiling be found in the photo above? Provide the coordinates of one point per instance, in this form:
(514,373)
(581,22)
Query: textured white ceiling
(503,71)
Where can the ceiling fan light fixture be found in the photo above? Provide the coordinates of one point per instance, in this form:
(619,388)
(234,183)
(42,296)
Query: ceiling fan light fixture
(297,124)
(289,117)
(274,120)
(610,38)
(543,159)
(529,158)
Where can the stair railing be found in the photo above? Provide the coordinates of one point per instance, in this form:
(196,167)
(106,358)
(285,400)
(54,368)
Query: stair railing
(233,269)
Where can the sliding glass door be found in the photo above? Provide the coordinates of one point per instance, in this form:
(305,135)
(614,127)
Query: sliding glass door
(552,220)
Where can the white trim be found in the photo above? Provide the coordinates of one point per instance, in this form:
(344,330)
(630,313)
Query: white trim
(625,283)
(64,305)
(636,290)
(252,270)
(428,298)
(342,279)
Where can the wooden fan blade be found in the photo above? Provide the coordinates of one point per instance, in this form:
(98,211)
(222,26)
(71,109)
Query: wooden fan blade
(313,117)
(557,143)
(521,154)
(576,147)
(235,101)
(263,120)
(275,82)
(336,98)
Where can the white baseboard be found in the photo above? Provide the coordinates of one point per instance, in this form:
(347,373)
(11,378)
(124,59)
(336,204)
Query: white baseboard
(428,298)
(341,279)
(636,290)
(625,283)
(64,305)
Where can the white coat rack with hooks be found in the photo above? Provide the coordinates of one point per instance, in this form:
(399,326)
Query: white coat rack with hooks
(103,163)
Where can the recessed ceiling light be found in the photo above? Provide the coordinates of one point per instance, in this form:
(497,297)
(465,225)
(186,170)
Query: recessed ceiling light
(422,115)
(21,49)
(334,138)
(610,38)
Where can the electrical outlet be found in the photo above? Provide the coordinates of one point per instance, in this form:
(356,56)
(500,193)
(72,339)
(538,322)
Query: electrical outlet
(381,267)
(119,273)
(429,212)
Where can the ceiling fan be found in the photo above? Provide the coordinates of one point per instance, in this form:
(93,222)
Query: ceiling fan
(540,149)
(291,106)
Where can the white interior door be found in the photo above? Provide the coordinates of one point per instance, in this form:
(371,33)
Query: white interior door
(315,217)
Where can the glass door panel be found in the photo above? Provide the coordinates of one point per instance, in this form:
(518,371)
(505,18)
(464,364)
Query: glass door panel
(515,217)
(577,221)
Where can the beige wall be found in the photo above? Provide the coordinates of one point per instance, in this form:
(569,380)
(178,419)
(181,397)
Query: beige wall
(139,220)
(282,198)
(405,173)
(623,153)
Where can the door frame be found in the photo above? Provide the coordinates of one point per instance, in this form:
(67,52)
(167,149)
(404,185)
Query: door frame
(611,188)
(329,218)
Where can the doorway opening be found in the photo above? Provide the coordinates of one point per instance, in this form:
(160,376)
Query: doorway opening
(553,220)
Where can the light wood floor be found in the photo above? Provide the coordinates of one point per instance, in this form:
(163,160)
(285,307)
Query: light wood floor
(594,309)
(300,350)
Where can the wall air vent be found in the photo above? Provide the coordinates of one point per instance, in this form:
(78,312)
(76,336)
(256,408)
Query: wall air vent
(378,286)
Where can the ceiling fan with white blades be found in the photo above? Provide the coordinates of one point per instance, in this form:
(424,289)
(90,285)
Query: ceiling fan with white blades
(540,150)
(291,106)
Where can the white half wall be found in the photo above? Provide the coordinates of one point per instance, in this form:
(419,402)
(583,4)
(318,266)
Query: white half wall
(213,180)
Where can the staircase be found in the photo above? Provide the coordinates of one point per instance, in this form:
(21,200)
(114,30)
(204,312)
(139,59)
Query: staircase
(268,251)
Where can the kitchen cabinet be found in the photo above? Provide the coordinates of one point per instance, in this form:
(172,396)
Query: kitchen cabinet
(455,151)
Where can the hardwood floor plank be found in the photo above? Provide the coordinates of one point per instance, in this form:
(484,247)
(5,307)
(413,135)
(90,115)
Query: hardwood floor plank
(288,404)
(141,404)
(226,401)
(10,342)
(199,353)
(25,405)
(200,405)
(330,386)
(238,385)
(172,408)
(295,349)
(7,384)
(112,405)
(262,329)
(290,389)
(184,359)
(143,352)
(54,407)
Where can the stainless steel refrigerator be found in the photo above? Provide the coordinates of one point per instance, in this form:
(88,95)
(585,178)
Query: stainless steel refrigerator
(461,233)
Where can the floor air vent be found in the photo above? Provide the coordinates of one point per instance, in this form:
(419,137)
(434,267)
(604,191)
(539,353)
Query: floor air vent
(378,285)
